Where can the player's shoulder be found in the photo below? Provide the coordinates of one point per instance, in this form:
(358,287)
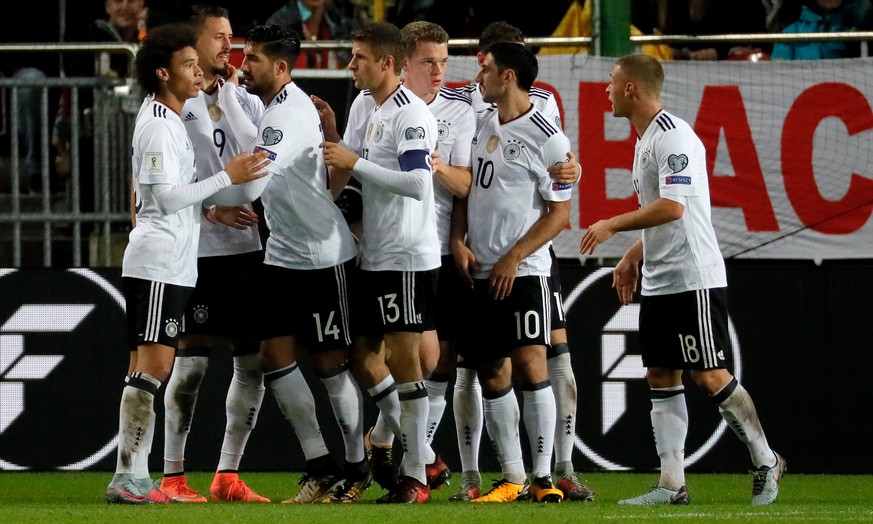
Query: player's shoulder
(669,125)
(457,96)
(469,88)
(540,127)
(540,93)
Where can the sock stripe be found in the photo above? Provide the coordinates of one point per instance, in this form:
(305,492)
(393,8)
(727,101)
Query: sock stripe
(279,373)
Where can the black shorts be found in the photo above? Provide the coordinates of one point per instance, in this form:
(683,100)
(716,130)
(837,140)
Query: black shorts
(155,312)
(225,287)
(311,305)
(394,301)
(451,293)
(559,321)
(496,327)
(685,330)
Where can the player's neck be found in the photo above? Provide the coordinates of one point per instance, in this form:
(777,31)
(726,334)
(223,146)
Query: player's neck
(170,100)
(643,116)
(385,89)
(209,84)
(514,104)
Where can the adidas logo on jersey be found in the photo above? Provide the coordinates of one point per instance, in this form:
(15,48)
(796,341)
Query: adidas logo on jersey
(190,117)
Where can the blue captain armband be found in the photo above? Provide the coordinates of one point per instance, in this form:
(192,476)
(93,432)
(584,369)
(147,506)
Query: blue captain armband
(414,159)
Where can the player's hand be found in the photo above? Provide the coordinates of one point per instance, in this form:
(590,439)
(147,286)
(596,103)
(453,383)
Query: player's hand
(625,277)
(237,217)
(338,156)
(568,172)
(597,233)
(246,167)
(465,263)
(503,276)
(436,164)
(327,117)
(230,74)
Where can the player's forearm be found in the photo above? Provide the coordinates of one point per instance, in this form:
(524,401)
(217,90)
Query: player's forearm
(545,229)
(458,227)
(171,198)
(404,183)
(661,211)
(239,194)
(455,178)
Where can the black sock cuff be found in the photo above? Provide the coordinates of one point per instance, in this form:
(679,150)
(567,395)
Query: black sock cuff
(726,391)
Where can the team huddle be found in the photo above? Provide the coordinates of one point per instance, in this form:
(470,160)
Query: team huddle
(449,271)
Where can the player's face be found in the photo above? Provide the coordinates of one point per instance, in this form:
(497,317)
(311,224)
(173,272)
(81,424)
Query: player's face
(426,68)
(213,45)
(258,71)
(615,90)
(367,70)
(184,75)
(490,80)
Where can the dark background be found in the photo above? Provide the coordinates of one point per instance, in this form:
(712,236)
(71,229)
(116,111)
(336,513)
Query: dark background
(803,331)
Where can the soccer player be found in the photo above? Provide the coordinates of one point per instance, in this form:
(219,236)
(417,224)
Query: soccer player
(159,268)
(310,247)
(400,250)
(230,251)
(683,310)
(513,211)
(560,366)
(427,45)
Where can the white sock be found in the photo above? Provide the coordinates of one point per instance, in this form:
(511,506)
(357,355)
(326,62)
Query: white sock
(384,394)
(297,404)
(539,421)
(382,435)
(347,403)
(242,405)
(141,464)
(670,426)
(467,406)
(739,411)
(501,420)
(413,418)
(436,406)
(564,387)
(136,413)
(180,399)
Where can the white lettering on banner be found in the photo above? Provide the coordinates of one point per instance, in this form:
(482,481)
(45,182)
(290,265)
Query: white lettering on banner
(788,146)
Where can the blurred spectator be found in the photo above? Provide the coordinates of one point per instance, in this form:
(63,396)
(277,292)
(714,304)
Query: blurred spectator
(710,17)
(824,16)
(27,66)
(317,20)
(124,21)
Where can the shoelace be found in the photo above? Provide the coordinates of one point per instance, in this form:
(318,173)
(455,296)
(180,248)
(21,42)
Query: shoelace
(759,478)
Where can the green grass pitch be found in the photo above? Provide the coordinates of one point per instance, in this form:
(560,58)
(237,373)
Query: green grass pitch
(78,497)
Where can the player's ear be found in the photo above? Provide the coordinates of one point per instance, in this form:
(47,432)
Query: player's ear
(162,74)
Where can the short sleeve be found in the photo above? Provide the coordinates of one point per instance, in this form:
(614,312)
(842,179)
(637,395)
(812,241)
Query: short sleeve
(160,156)
(554,152)
(678,164)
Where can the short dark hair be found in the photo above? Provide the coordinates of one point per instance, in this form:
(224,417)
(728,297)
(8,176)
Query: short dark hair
(277,41)
(499,32)
(157,51)
(518,58)
(385,39)
(202,12)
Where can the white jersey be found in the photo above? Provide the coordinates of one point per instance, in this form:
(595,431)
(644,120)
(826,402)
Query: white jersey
(399,233)
(511,184)
(307,230)
(217,139)
(542,99)
(162,248)
(682,255)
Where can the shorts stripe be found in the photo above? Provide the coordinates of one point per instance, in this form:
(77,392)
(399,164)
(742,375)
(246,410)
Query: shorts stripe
(546,293)
(339,272)
(155,305)
(409,297)
(704,323)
